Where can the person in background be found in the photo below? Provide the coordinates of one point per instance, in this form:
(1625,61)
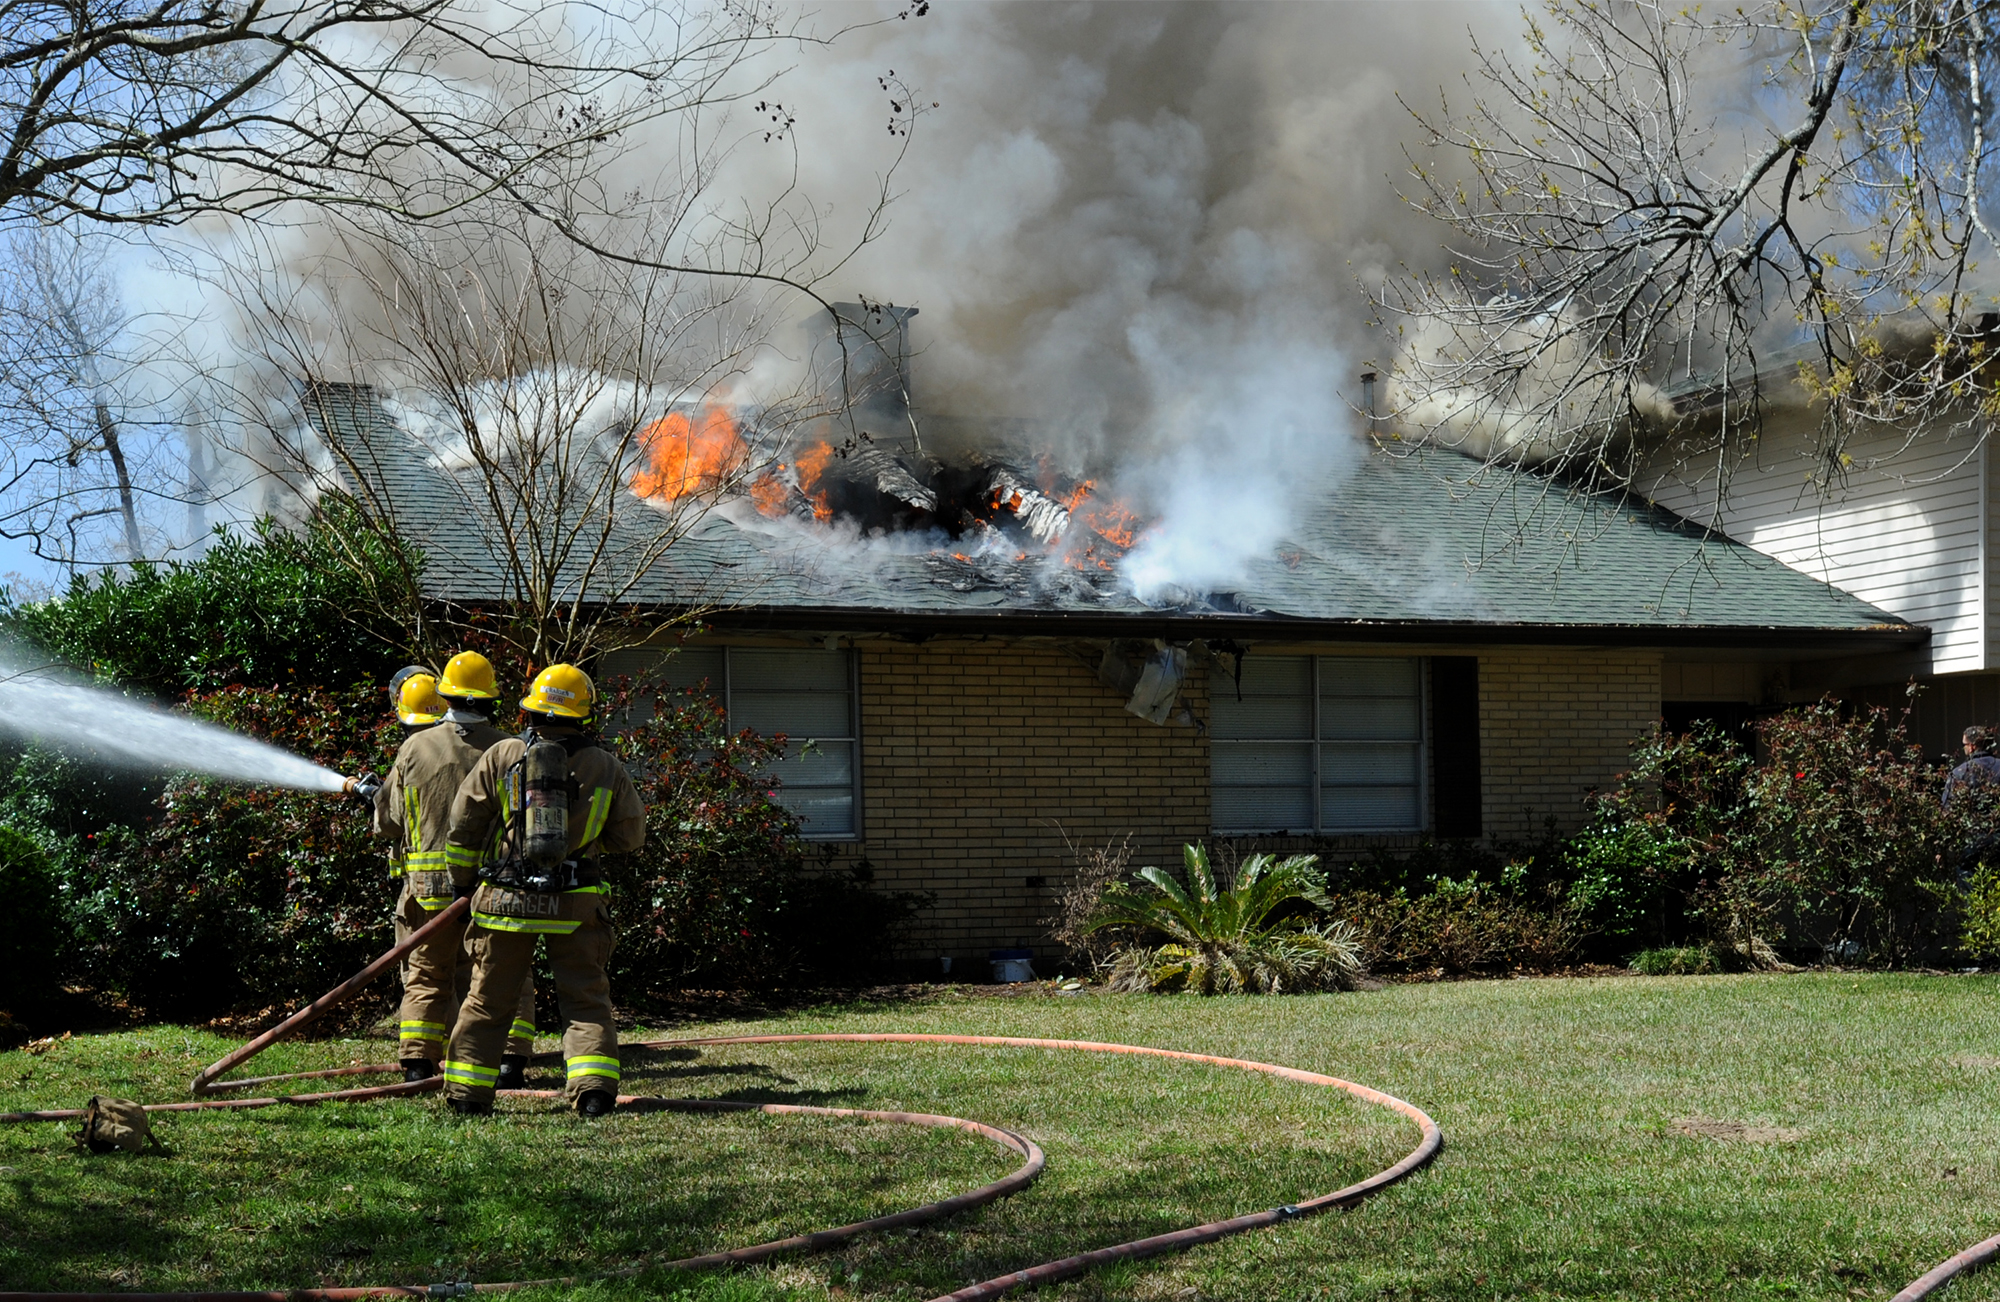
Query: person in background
(413,809)
(1981,767)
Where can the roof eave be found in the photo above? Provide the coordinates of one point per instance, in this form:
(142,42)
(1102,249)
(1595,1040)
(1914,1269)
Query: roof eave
(1180,625)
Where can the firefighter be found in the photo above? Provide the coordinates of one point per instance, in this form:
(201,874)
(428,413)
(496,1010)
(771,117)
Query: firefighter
(535,815)
(413,808)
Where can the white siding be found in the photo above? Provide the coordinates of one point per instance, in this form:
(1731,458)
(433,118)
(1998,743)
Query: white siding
(1907,531)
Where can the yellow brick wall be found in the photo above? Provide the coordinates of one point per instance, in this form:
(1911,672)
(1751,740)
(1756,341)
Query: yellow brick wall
(977,759)
(1553,724)
(978,756)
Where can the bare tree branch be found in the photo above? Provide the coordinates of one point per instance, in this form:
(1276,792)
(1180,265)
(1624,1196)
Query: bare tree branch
(1633,282)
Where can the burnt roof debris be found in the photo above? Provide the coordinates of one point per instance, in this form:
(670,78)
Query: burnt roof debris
(874,466)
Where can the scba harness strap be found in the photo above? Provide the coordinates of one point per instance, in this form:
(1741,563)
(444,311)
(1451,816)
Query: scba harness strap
(522,891)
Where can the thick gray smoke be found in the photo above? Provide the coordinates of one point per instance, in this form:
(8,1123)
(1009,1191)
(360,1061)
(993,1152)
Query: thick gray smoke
(1145,227)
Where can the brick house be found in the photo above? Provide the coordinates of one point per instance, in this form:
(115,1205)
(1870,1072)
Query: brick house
(1415,660)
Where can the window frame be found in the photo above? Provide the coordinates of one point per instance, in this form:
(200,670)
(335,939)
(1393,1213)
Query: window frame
(726,691)
(1316,741)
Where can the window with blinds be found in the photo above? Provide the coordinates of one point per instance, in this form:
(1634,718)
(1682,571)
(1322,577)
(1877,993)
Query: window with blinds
(808,695)
(1318,744)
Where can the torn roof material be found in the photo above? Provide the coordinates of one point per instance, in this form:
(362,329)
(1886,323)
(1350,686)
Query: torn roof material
(1425,546)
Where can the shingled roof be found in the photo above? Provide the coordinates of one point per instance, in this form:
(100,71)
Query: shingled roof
(1413,547)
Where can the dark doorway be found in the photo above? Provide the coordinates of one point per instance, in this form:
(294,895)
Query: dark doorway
(1737,718)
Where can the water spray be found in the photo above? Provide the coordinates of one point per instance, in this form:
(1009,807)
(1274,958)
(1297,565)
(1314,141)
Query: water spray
(40,705)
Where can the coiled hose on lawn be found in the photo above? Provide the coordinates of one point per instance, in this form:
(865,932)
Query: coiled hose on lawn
(1032,1158)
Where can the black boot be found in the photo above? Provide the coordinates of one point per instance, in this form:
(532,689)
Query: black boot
(513,1071)
(418,1069)
(470,1107)
(595,1103)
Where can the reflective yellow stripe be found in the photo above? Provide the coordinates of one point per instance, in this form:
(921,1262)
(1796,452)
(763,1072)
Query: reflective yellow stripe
(593,1065)
(526,1030)
(541,926)
(585,890)
(395,864)
(416,1028)
(461,856)
(470,1073)
(413,827)
(418,861)
(600,810)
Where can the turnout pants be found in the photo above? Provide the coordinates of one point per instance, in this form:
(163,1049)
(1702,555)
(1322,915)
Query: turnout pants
(505,927)
(437,976)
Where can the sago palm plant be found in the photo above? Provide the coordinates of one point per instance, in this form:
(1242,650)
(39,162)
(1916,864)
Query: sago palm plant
(1233,938)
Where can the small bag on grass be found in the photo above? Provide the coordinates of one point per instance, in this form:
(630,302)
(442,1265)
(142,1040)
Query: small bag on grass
(116,1125)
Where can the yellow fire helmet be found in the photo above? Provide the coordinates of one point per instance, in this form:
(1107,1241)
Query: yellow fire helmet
(562,690)
(418,702)
(469,674)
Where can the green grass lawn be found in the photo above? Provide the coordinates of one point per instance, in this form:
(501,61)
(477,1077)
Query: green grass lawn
(1811,1137)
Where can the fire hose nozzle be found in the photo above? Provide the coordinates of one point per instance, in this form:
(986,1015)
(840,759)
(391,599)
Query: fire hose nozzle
(363,787)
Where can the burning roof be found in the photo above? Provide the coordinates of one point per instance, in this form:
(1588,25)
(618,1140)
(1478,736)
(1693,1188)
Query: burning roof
(867,532)
(988,512)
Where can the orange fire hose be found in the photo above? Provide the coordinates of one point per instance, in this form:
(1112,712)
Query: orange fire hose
(1949,1269)
(340,994)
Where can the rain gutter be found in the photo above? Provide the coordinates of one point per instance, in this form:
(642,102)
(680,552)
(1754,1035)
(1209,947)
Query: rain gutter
(1183,626)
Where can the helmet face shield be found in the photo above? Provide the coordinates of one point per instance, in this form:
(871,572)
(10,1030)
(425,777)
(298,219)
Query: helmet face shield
(403,675)
(561,691)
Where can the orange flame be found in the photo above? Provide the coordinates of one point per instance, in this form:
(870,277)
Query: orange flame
(768,493)
(1111,522)
(684,456)
(812,464)
(1116,523)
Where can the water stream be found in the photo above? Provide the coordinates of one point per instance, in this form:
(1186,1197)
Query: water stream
(36,703)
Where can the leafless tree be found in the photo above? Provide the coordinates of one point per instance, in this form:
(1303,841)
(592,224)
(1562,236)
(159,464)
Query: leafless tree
(84,462)
(152,111)
(536,432)
(1665,218)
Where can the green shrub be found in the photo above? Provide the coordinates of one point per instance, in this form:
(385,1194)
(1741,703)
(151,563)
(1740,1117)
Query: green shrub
(1619,873)
(1251,933)
(1459,928)
(1978,905)
(1847,828)
(1833,844)
(30,924)
(1676,960)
